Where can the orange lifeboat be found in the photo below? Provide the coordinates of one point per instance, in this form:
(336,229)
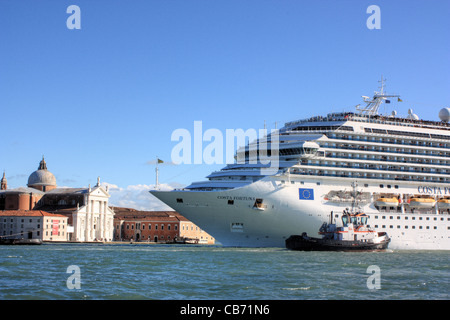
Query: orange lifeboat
(387,202)
(421,202)
(443,203)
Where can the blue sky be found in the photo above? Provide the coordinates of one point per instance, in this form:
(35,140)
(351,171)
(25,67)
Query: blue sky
(105,99)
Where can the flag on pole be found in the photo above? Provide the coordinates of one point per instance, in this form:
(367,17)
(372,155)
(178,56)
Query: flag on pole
(399,100)
(160,161)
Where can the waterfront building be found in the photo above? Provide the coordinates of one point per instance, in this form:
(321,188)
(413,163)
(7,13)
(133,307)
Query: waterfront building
(22,198)
(27,198)
(156,226)
(32,225)
(89,216)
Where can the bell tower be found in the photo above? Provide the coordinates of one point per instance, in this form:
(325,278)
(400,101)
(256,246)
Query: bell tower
(3,182)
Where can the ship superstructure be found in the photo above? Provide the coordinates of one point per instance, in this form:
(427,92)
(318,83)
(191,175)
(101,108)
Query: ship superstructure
(402,166)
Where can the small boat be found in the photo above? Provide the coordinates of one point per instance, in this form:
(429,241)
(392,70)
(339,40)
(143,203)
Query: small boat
(443,203)
(421,202)
(354,235)
(182,240)
(387,202)
(20,241)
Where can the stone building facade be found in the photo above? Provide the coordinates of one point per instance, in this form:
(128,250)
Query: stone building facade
(32,225)
(89,215)
(87,210)
(156,226)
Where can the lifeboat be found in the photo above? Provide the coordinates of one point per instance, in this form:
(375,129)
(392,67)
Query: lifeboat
(443,203)
(418,202)
(387,202)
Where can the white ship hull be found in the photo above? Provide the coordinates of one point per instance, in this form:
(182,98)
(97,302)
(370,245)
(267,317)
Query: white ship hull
(238,223)
(392,158)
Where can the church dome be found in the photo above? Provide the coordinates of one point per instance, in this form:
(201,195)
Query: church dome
(42,177)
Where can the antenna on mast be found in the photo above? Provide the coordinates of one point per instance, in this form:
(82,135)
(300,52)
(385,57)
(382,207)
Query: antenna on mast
(382,81)
(373,105)
(157,172)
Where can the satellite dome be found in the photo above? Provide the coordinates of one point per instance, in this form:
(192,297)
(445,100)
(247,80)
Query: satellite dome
(42,177)
(444,114)
(411,115)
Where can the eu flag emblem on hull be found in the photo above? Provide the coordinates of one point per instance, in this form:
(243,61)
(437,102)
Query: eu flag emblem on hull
(306,194)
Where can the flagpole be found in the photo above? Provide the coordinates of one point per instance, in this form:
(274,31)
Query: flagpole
(157,174)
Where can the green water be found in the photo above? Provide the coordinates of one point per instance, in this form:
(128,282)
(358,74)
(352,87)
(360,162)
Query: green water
(185,272)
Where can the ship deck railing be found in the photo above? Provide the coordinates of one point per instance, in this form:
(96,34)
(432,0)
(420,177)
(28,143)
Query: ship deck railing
(351,116)
(424,143)
(374,167)
(365,148)
(353,176)
(403,162)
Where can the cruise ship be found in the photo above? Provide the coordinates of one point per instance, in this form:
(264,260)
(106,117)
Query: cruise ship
(401,166)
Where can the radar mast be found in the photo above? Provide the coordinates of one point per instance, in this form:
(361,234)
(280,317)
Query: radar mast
(373,105)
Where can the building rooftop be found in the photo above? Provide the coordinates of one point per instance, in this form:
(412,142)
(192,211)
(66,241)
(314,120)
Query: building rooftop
(127,213)
(68,191)
(28,213)
(23,190)
(42,177)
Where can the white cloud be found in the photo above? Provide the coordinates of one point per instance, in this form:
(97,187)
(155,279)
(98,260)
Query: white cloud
(138,196)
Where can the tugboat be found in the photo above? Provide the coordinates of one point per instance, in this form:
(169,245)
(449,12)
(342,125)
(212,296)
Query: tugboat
(354,235)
